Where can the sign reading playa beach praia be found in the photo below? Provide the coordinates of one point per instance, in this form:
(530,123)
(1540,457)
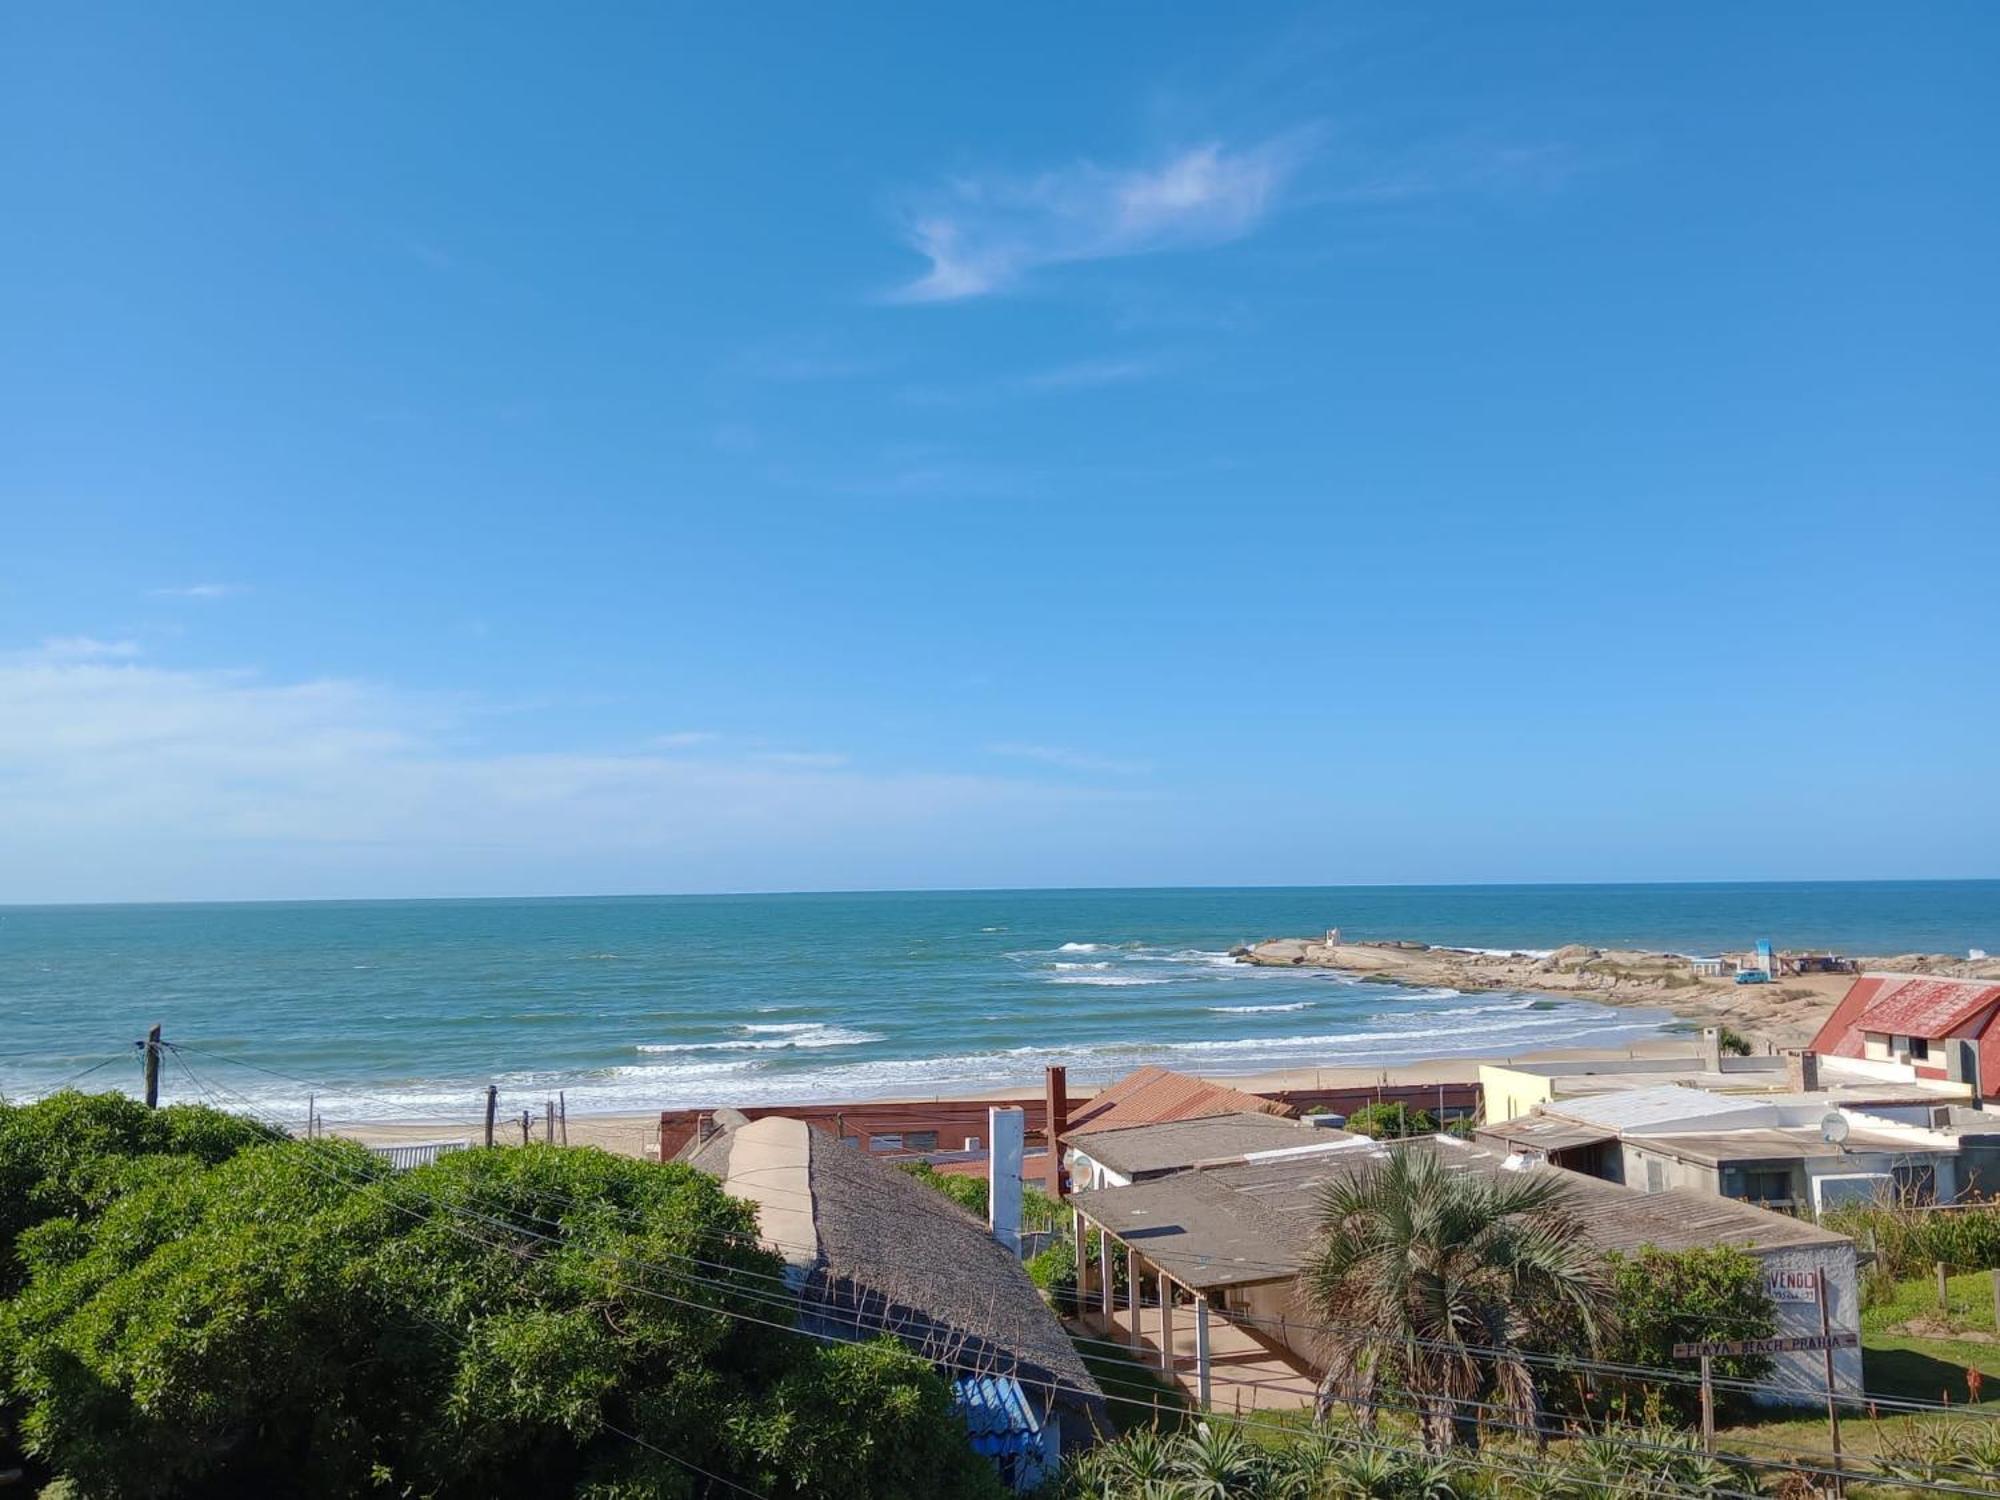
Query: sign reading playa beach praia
(1768,1346)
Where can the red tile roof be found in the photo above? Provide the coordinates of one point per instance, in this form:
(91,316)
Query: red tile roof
(1905,1005)
(1152,1096)
(1933,1008)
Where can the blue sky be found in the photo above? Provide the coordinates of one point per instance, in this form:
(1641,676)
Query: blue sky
(479,449)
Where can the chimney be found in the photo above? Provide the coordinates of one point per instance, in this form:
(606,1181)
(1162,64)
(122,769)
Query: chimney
(1961,1064)
(1006,1129)
(1056,1118)
(1802,1070)
(1711,1049)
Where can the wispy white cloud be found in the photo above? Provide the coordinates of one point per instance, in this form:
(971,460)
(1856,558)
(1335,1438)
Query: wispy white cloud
(1085,373)
(1069,760)
(122,779)
(684,739)
(198,591)
(817,760)
(984,234)
(65,648)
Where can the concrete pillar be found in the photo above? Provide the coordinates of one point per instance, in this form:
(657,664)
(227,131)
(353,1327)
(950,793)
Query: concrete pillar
(1005,1133)
(1132,1296)
(1201,1351)
(1166,1325)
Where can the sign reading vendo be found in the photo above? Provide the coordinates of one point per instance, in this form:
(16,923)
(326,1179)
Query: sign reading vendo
(1792,1286)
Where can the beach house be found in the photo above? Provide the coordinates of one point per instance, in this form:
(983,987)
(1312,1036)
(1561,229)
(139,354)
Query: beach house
(869,1250)
(1940,1029)
(1511,1088)
(1798,1152)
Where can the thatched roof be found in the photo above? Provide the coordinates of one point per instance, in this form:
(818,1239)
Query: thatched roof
(899,1257)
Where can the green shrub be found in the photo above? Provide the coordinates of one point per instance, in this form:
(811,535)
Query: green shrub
(1668,1297)
(1391,1120)
(295,1318)
(1735,1043)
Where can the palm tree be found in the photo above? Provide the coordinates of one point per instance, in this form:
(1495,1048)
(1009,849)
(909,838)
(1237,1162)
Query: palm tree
(1433,1281)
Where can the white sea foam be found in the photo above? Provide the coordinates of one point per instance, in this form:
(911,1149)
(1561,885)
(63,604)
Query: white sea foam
(1105,981)
(817,1034)
(1102,964)
(1258,1010)
(1080,948)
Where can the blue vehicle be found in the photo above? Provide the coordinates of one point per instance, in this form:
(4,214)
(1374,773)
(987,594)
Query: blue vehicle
(1752,976)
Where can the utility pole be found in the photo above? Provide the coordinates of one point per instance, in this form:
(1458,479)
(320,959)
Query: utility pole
(492,1099)
(152,1046)
(1832,1404)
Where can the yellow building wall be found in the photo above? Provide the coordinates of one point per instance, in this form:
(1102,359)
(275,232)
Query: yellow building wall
(1507,1095)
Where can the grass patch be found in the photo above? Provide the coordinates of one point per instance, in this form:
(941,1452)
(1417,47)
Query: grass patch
(1137,1396)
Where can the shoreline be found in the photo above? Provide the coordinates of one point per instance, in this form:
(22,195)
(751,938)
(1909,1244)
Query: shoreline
(1785,1012)
(628,1132)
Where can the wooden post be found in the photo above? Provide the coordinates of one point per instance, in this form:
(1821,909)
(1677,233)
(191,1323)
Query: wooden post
(1707,1405)
(1166,1326)
(1080,1237)
(492,1100)
(1996,1299)
(1110,1281)
(1944,1292)
(524,1127)
(1133,1299)
(549,1121)
(153,1067)
(1832,1406)
(1201,1351)
(562,1114)
(310,1131)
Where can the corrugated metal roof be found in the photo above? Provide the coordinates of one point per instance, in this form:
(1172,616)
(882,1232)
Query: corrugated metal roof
(1139,1149)
(1257,1222)
(1546,1133)
(1925,1007)
(998,1416)
(1634,1109)
(1151,1096)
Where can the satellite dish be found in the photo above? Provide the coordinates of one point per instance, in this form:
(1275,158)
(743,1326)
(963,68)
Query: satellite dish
(1833,1127)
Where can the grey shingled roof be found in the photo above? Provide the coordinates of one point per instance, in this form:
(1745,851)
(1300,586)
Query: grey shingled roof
(907,1260)
(1225,1226)
(1138,1150)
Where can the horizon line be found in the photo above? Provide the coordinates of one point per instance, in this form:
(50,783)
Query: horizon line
(998,890)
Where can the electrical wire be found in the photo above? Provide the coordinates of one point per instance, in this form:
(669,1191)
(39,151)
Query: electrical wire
(445,1206)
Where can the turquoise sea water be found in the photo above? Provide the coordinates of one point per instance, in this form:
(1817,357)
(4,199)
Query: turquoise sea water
(411,1007)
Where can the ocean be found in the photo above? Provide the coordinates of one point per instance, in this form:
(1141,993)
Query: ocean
(409,1008)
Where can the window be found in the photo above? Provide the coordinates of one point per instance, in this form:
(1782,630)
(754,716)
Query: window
(1919,1049)
(1759,1184)
(1915,1184)
(1656,1176)
(885,1143)
(972,1143)
(851,1141)
(920,1140)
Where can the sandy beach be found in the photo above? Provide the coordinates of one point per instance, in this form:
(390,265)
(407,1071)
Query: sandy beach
(630,1132)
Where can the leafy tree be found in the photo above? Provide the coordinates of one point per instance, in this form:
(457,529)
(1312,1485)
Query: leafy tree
(294,1318)
(1436,1283)
(1668,1297)
(1391,1120)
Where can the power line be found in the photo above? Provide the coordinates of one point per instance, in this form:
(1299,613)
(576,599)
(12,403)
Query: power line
(832,1315)
(1558,1362)
(685,1463)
